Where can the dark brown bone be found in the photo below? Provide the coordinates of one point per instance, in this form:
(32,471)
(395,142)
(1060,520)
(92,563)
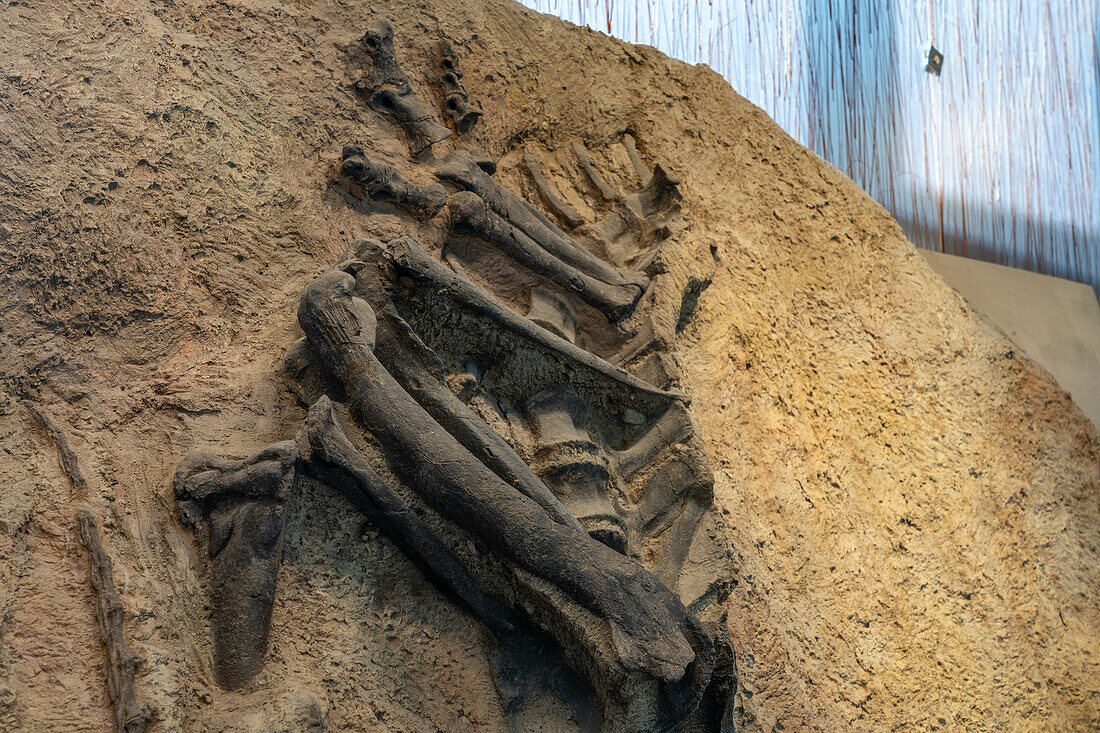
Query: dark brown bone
(388,90)
(457,168)
(237,508)
(651,630)
(472,216)
(121,662)
(561,208)
(456,101)
(331,458)
(411,261)
(571,465)
(382,182)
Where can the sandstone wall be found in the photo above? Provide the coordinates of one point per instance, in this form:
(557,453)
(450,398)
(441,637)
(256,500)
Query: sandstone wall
(913,503)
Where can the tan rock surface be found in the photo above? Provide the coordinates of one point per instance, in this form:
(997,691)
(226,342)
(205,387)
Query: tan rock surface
(914,504)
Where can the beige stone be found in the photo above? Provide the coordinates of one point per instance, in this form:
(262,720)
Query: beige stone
(913,503)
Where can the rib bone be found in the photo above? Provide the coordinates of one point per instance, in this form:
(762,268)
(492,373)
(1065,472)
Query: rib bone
(557,204)
(471,215)
(457,168)
(593,175)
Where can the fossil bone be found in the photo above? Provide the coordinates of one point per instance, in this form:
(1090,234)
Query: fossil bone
(632,151)
(382,182)
(457,168)
(456,101)
(593,175)
(121,662)
(69,463)
(651,632)
(561,208)
(412,262)
(237,508)
(471,215)
(330,456)
(571,465)
(387,89)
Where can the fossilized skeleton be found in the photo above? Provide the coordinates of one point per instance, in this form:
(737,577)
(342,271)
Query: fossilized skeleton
(556,494)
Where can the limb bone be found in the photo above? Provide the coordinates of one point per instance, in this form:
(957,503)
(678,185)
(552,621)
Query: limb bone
(382,182)
(651,630)
(237,507)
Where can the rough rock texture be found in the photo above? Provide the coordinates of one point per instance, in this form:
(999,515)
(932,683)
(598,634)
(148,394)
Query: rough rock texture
(914,504)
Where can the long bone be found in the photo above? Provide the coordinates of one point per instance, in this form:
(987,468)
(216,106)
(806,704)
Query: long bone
(331,457)
(635,160)
(388,90)
(650,629)
(382,182)
(471,215)
(598,181)
(459,169)
(562,208)
(237,507)
(410,261)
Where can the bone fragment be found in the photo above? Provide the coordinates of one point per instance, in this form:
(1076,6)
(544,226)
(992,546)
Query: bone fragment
(639,167)
(673,427)
(388,90)
(69,463)
(130,717)
(411,261)
(464,114)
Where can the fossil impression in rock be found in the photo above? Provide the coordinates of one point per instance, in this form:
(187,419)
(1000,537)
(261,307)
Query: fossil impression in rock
(540,467)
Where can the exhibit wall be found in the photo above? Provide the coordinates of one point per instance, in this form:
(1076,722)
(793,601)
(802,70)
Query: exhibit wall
(995,158)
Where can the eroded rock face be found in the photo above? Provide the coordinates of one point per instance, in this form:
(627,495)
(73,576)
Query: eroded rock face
(912,505)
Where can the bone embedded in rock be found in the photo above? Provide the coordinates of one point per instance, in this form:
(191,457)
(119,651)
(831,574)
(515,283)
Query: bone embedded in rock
(236,506)
(381,182)
(331,457)
(561,208)
(458,168)
(598,181)
(572,465)
(70,465)
(471,215)
(464,114)
(387,89)
(650,629)
(552,311)
(129,716)
(635,160)
(410,260)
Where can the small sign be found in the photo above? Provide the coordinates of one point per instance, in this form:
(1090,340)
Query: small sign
(935,61)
